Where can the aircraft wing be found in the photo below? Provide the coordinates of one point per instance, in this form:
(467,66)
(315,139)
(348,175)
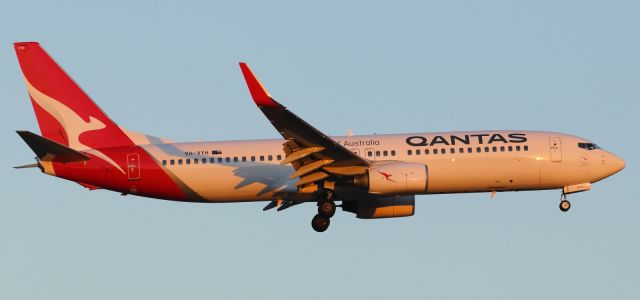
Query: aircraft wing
(312,154)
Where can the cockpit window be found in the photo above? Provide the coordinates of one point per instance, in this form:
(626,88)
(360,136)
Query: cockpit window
(588,146)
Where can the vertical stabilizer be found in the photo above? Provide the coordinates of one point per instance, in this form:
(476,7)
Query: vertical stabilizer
(65,113)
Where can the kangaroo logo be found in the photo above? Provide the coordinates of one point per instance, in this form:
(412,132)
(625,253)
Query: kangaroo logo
(387,176)
(72,123)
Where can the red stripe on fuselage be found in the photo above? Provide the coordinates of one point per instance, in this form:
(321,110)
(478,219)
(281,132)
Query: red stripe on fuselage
(154,181)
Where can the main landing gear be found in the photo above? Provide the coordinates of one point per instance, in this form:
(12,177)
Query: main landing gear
(565,205)
(326,210)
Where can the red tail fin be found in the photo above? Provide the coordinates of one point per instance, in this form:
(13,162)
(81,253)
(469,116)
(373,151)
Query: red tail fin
(64,111)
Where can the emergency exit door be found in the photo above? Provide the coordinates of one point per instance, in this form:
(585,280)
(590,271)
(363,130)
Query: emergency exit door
(133,166)
(555,147)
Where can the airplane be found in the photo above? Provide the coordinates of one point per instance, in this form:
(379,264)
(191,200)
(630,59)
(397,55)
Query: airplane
(371,176)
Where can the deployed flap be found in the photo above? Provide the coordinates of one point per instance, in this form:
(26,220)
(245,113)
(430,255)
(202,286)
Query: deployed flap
(53,151)
(310,141)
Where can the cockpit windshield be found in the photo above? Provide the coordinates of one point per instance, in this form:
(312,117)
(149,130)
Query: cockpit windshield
(588,146)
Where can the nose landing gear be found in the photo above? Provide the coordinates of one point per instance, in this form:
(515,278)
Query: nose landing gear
(565,205)
(326,210)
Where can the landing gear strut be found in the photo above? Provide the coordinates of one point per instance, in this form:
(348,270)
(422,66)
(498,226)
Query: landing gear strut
(326,210)
(565,205)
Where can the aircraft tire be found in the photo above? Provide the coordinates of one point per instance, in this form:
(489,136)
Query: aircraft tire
(320,223)
(326,208)
(565,205)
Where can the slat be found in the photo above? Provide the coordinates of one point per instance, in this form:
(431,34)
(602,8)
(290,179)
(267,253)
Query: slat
(312,178)
(306,169)
(300,154)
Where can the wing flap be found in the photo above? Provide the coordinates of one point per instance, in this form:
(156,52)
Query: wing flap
(310,167)
(300,154)
(312,178)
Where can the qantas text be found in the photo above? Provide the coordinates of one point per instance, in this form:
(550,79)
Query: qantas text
(481,138)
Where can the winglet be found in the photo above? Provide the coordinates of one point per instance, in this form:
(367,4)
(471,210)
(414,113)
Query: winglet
(259,94)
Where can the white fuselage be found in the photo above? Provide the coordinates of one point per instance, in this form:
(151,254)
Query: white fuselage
(250,170)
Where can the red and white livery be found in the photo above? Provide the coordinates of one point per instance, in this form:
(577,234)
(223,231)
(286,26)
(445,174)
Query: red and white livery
(373,176)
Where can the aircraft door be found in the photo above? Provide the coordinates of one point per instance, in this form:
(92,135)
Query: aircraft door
(555,146)
(133,166)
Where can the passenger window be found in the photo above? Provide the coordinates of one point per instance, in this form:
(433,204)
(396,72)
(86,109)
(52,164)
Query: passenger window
(219,159)
(486,149)
(261,157)
(452,150)
(253,158)
(369,153)
(244,159)
(443,151)
(417,151)
(409,152)
(478,149)
(164,162)
(510,148)
(179,161)
(212,160)
(188,161)
(279,157)
(461,150)
(270,157)
(235,159)
(435,151)
(385,153)
(426,151)
(227,159)
(195,161)
(469,150)
(517,148)
(172,162)
(526,148)
(377,153)
(393,152)
(501,148)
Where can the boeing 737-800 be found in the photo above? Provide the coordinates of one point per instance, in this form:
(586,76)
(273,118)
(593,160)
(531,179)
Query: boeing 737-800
(372,176)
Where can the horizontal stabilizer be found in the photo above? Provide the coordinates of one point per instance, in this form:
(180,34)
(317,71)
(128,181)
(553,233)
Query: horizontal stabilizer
(27,166)
(49,150)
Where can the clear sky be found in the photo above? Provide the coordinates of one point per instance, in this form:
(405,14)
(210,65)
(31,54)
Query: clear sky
(170,69)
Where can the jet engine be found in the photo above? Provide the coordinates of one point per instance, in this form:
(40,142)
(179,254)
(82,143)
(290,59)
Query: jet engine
(376,208)
(394,178)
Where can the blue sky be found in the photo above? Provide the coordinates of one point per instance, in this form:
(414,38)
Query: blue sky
(170,69)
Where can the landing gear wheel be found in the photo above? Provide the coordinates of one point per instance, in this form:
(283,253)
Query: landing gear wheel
(326,208)
(565,205)
(320,223)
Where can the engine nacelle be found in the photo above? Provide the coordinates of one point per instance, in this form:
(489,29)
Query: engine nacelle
(394,178)
(387,207)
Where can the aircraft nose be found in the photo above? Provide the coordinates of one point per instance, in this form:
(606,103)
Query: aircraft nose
(616,163)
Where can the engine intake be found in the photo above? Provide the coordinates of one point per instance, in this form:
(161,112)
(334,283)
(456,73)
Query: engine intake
(394,178)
